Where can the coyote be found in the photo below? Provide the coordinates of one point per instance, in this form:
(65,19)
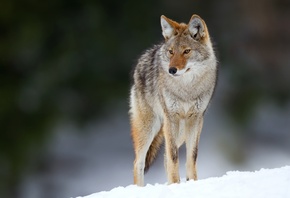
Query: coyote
(173,85)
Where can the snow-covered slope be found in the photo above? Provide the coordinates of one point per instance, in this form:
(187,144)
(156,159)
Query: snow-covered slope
(260,184)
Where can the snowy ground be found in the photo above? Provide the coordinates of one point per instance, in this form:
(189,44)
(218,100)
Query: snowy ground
(259,184)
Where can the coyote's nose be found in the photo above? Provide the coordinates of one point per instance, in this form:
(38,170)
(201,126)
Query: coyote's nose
(172,70)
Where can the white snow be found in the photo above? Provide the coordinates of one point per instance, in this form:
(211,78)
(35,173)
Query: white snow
(259,184)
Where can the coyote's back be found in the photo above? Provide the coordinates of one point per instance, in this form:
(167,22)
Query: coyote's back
(173,85)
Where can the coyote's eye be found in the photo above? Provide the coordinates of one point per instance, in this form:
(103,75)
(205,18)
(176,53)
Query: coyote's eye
(170,51)
(186,51)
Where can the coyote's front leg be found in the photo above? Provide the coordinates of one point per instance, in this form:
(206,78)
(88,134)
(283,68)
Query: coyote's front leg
(192,134)
(171,162)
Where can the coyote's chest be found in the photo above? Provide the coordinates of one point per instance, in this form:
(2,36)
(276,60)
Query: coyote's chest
(185,97)
(181,107)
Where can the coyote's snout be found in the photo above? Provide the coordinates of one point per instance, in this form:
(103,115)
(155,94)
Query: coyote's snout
(173,85)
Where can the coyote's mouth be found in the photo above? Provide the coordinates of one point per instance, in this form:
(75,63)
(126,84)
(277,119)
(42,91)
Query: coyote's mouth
(180,73)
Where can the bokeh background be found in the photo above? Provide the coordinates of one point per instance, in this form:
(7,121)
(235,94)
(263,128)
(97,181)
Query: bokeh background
(65,78)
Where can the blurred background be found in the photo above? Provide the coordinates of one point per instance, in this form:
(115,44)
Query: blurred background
(65,79)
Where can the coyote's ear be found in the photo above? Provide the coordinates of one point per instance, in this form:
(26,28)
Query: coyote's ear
(197,28)
(168,27)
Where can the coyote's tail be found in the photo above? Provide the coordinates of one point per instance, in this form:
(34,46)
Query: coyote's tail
(153,150)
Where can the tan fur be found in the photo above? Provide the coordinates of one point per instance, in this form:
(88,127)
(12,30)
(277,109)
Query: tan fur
(170,105)
(153,150)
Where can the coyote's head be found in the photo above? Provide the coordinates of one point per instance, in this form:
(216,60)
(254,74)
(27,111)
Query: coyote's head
(186,46)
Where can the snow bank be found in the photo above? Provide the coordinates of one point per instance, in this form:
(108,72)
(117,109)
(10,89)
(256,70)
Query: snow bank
(260,184)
